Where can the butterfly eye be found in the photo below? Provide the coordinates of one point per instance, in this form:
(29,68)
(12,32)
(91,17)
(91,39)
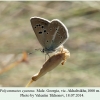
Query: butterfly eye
(47,41)
(47,33)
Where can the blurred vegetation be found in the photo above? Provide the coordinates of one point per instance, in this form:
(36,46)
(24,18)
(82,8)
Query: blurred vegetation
(82,19)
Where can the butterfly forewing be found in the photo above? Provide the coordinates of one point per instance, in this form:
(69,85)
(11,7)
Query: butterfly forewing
(40,26)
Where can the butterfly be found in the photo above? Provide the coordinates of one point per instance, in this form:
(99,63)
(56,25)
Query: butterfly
(50,34)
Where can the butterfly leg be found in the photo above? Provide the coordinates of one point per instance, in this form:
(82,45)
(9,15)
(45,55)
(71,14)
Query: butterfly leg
(48,56)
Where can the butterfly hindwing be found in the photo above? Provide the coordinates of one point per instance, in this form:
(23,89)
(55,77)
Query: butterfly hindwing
(51,32)
(60,34)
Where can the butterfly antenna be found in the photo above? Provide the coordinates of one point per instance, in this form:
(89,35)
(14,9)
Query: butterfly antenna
(30,53)
(33,51)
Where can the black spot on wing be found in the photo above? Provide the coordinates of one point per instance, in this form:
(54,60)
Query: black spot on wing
(42,26)
(44,30)
(40,32)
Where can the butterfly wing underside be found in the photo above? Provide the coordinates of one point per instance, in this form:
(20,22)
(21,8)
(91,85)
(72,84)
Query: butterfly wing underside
(50,34)
(39,26)
(58,33)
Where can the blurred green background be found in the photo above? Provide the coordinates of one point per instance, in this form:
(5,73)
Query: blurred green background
(82,18)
